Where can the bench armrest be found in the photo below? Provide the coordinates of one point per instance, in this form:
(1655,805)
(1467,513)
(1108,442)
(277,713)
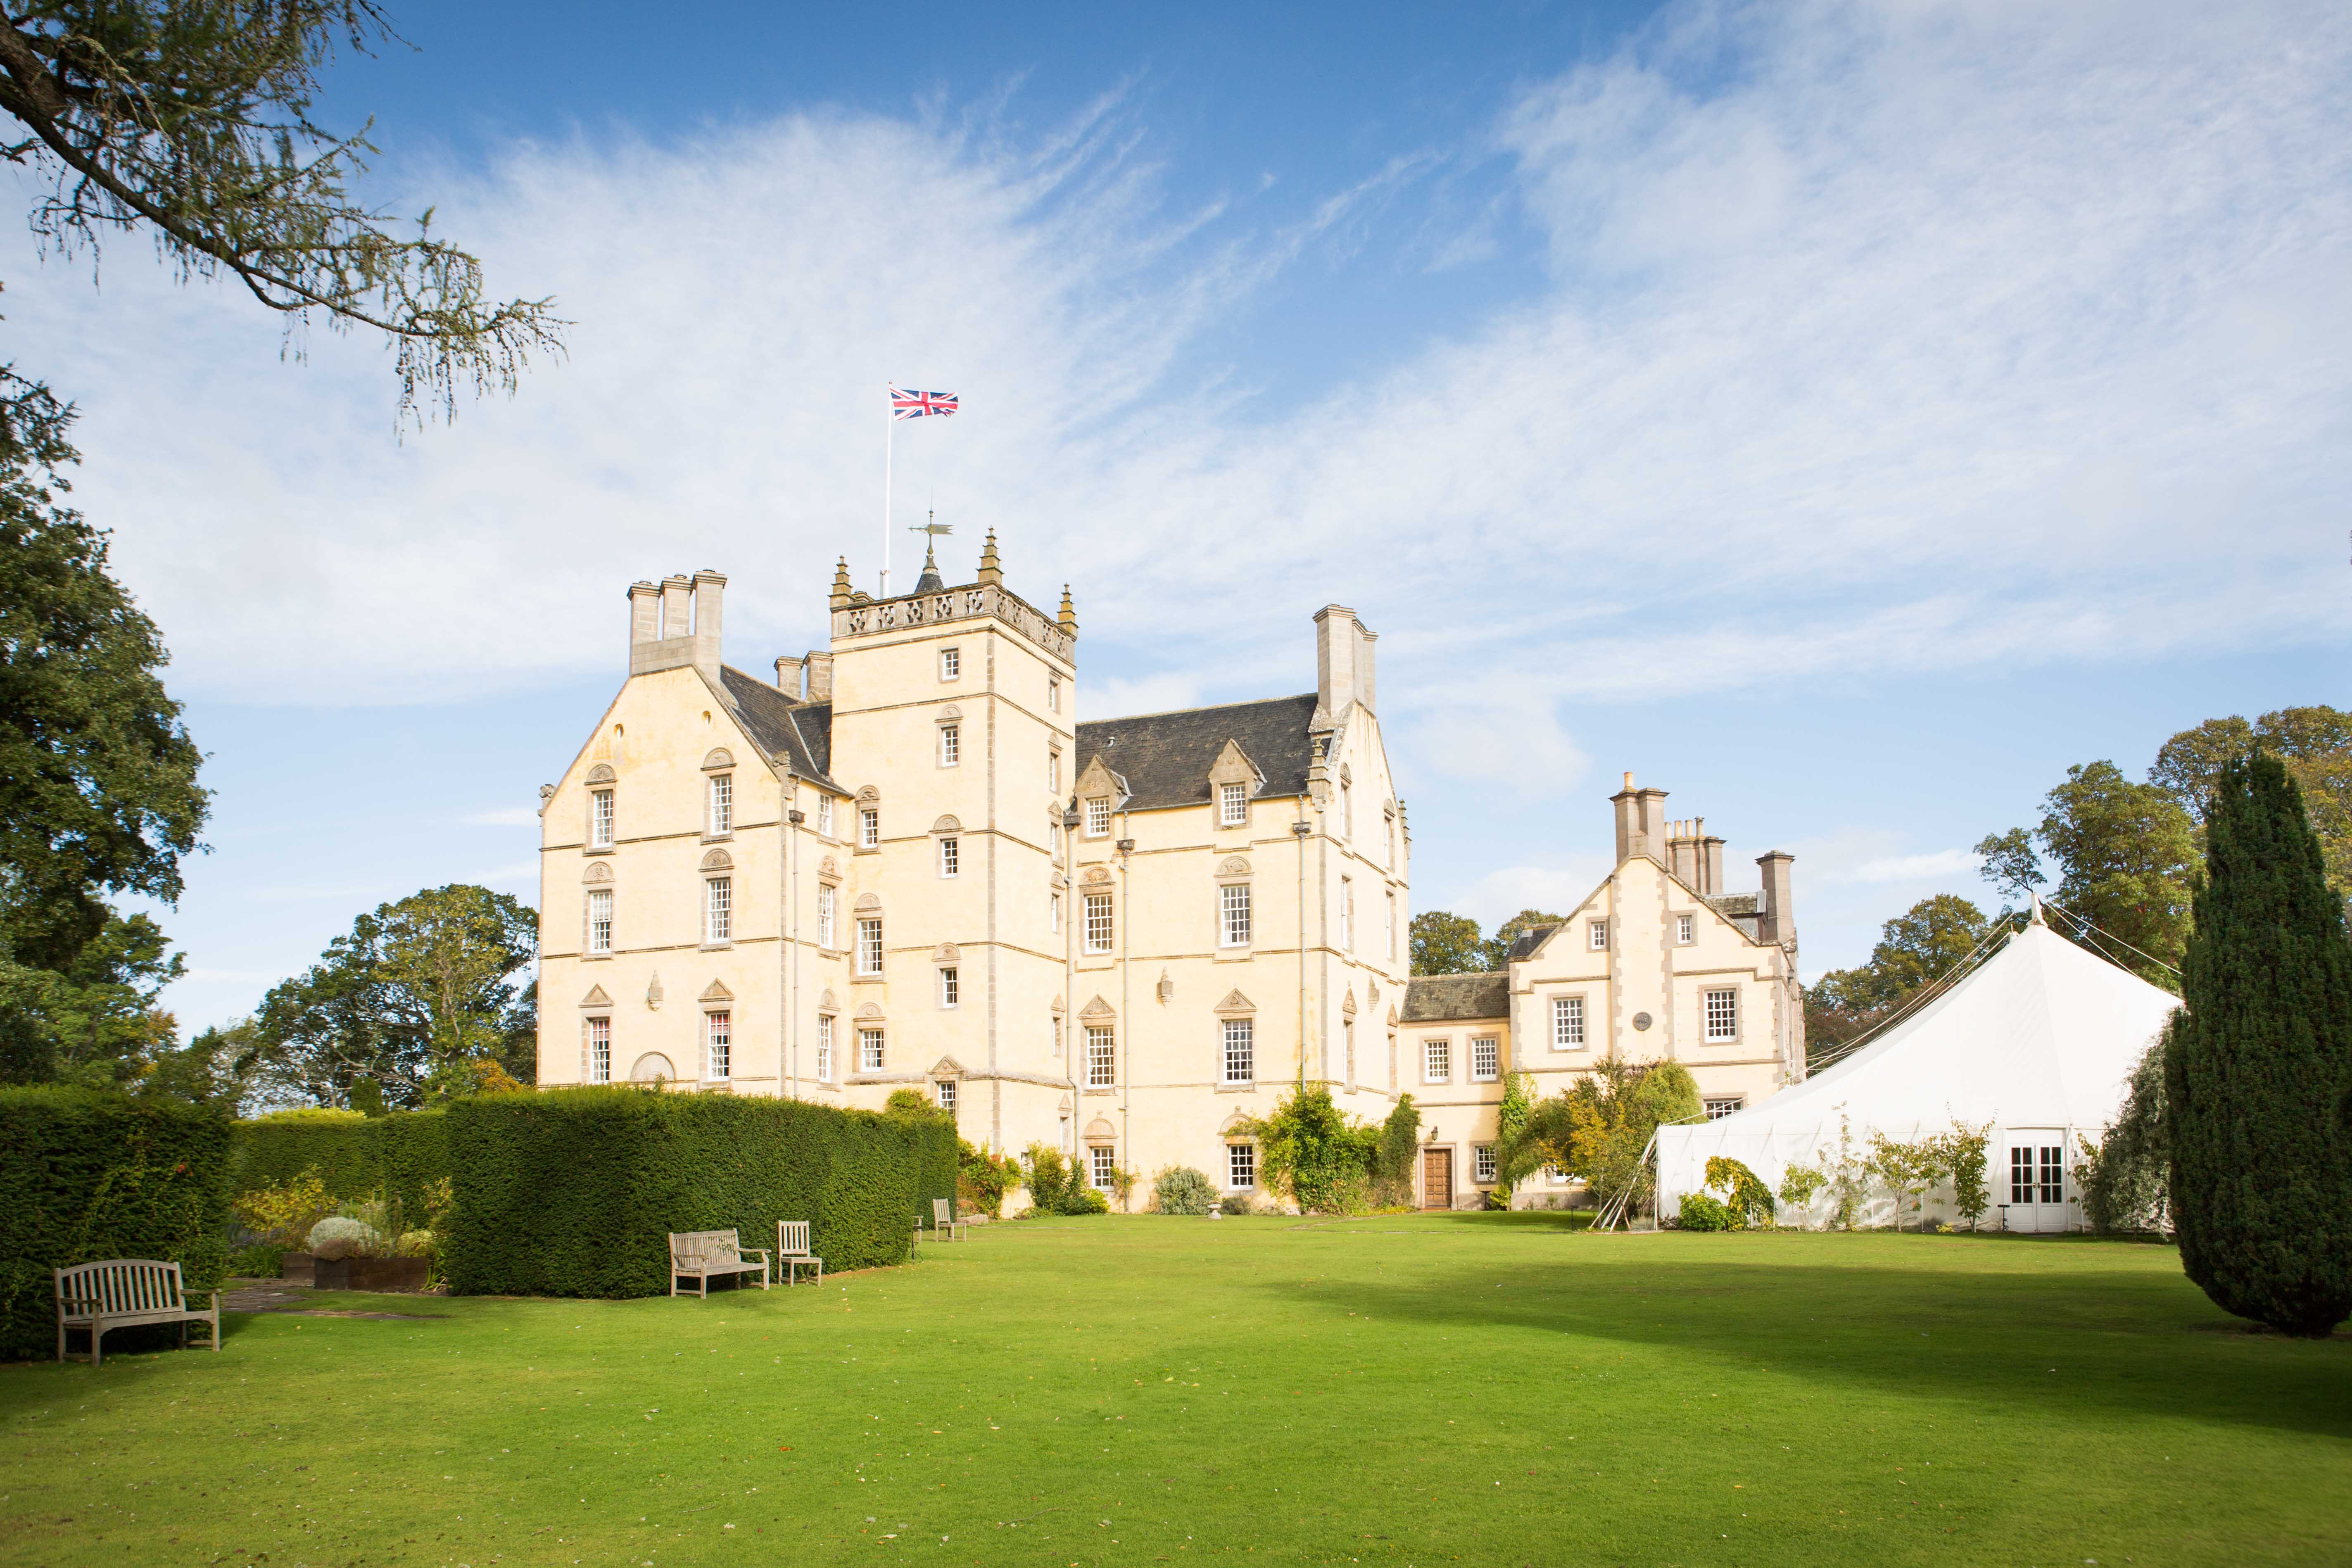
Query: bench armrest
(759,1252)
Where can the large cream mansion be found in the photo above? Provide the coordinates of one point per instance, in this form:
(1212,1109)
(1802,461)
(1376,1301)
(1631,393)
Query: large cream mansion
(903,862)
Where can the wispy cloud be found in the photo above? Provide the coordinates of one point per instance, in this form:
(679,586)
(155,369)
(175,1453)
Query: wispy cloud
(1935,864)
(1925,339)
(502,817)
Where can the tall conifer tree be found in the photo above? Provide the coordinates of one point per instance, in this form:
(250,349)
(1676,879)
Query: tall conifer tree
(2261,1163)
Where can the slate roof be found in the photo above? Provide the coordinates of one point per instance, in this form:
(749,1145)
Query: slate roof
(798,734)
(1165,757)
(1527,941)
(1440,999)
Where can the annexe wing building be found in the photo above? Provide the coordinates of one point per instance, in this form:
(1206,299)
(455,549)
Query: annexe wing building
(902,863)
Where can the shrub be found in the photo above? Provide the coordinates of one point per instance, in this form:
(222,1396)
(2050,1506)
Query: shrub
(283,1212)
(1048,1178)
(1798,1185)
(570,1192)
(1079,1199)
(264,1261)
(91,1176)
(338,1236)
(1183,1190)
(1236,1204)
(1399,1145)
(1751,1200)
(1311,1147)
(2122,1176)
(983,1180)
(1701,1212)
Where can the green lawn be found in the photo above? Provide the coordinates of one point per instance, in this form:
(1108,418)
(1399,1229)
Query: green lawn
(1422,1390)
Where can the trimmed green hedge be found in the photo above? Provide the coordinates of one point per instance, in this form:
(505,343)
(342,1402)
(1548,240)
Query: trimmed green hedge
(573,1191)
(91,1176)
(404,1154)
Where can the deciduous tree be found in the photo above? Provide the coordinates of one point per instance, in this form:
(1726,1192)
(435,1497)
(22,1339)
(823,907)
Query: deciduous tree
(1915,949)
(1445,944)
(2124,853)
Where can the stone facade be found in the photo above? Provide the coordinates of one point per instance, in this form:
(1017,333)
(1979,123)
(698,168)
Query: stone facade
(903,863)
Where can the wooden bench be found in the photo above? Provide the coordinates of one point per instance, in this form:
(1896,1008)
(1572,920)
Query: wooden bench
(697,1255)
(123,1293)
(943,1219)
(792,1252)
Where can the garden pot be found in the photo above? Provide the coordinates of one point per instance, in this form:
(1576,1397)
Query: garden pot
(296,1268)
(369,1274)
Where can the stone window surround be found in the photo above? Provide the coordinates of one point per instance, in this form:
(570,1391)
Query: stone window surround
(711,1004)
(1444,1043)
(598,880)
(587,1014)
(1551,1026)
(718,761)
(600,779)
(947,718)
(1235,1007)
(716,865)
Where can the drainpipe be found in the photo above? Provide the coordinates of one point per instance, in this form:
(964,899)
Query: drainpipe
(1074,913)
(791,976)
(1300,830)
(1123,1046)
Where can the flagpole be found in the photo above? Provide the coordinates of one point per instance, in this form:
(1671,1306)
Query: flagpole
(890,431)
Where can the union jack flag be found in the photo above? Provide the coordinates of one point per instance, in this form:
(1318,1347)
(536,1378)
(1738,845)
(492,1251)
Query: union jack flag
(915,405)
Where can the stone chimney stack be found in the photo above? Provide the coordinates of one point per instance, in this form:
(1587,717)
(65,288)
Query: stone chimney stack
(1776,916)
(820,676)
(709,601)
(788,675)
(1343,663)
(1710,862)
(677,607)
(645,617)
(1683,857)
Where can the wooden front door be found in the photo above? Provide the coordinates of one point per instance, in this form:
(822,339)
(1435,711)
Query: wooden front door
(1437,1178)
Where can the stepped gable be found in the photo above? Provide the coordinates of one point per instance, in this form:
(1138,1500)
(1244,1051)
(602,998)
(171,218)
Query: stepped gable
(798,733)
(1165,757)
(1446,998)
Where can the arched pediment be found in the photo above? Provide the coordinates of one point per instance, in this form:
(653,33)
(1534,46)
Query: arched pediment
(1234,866)
(598,871)
(1236,1123)
(719,861)
(826,1002)
(719,757)
(1097,1008)
(868,902)
(1095,875)
(1100,1130)
(652,1068)
(828,869)
(869,795)
(602,774)
(948,715)
(1346,776)
(947,825)
(871,1012)
(947,953)
(1235,1003)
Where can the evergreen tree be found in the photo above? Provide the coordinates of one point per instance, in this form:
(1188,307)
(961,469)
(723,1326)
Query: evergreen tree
(2261,1162)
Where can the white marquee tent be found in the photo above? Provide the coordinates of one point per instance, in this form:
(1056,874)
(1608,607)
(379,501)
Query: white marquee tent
(2038,1041)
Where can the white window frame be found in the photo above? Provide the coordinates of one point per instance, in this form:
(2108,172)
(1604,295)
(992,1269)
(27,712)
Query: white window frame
(951,987)
(601,815)
(1102,1057)
(1054,694)
(1720,1105)
(1485,1058)
(873,1050)
(1233,914)
(869,827)
(718,912)
(825,1048)
(718,1044)
(597,1036)
(943,1094)
(1098,817)
(950,859)
(1437,1060)
(1567,1024)
(1102,1160)
(1686,929)
(1347,810)
(1728,1031)
(721,794)
(950,746)
(1241,1167)
(600,919)
(824,814)
(1597,936)
(1102,925)
(1233,805)
(828,903)
(1054,912)
(950,664)
(1053,773)
(1240,1040)
(1482,1165)
(1347,914)
(869,944)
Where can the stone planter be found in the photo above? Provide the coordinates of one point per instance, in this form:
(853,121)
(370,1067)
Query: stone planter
(296,1270)
(393,1274)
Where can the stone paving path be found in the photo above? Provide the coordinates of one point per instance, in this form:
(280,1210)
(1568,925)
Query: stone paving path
(276,1296)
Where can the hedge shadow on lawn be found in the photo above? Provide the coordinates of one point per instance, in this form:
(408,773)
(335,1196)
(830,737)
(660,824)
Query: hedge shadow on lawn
(2131,1343)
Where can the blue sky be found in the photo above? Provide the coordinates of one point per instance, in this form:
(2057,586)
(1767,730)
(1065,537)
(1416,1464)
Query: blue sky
(1843,416)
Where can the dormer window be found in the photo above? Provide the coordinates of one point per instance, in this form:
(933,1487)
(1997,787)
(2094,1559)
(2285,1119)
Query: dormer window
(1233,805)
(950,663)
(1098,817)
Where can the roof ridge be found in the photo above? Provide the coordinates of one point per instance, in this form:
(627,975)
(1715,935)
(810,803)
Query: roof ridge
(1204,708)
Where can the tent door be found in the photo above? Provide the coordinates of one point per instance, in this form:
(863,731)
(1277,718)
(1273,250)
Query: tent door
(2036,1179)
